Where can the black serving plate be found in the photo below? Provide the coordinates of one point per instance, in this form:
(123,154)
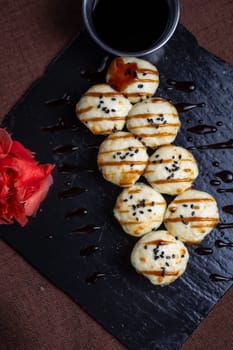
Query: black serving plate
(139,314)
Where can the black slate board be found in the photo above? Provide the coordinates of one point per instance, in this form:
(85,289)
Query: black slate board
(140,315)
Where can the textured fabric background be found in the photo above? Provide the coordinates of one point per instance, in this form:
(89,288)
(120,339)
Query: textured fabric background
(33,313)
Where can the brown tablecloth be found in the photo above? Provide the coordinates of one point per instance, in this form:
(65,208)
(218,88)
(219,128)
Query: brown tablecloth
(33,313)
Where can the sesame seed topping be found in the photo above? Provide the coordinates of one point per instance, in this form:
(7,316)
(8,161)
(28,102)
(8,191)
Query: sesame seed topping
(140,86)
(193,213)
(145,246)
(113,99)
(125,200)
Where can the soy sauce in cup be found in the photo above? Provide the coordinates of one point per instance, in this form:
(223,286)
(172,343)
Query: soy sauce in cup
(131,27)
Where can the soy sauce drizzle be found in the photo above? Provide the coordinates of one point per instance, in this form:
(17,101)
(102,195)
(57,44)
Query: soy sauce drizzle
(97,76)
(222,244)
(72,192)
(59,126)
(220,145)
(225,225)
(224,190)
(219,278)
(202,129)
(93,277)
(215,164)
(185,107)
(215,182)
(228,209)
(89,250)
(63,100)
(68,168)
(204,251)
(65,149)
(85,229)
(225,176)
(186,86)
(76,212)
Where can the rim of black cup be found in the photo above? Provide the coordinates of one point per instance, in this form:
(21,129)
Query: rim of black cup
(167,34)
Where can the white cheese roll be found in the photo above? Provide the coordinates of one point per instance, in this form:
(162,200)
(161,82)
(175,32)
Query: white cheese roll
(103,110)
(135,78)
(191,216)
(155,121)
(160,257)
(171,169)
(122,159)
(139,209)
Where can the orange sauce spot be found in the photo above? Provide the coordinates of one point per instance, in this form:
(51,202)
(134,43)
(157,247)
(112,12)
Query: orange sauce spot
(122,74)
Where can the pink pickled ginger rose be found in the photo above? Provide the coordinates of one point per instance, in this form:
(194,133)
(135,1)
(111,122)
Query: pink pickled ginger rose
(24,183)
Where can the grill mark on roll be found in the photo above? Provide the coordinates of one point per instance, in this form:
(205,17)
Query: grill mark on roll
(158,99)
(136,222)
(159,242)
(203,226)
(121,149)
(165,161)
(152,126)
(99,119)
(187,170)
(102,131)
(126,172)
(194,200)
(139,80)
(103,94)
(146,115)
(83,110)
(123,162)
(147,70)
(161,134)
(117,137)
(191,219)
(164,181)
(161,273)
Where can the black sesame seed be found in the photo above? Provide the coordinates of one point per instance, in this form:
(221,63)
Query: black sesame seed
(141,211)
(161,115)
(166,263)
(163,271)
(125,200)
(149,210)
(157,156)
(191,206)
(131,165)
(185,205)
(144,74)
(181,216)
(101,101)
(107,111)
(137,219)
(134,207)
(140,86)
(175,162)
(176,237)
(130,148)
(152,203)
(185,222)
(168,257)
(154,161)
(161,160)
(113,99)
(131,155)
(193,213)
(98,106)
(136,151)
(173,256)
(134,214)
(118,153)
(182,256)
(131,197)
(114,156)
(100,97)
(173,157)
(113,110)
(180,156)
(145,246)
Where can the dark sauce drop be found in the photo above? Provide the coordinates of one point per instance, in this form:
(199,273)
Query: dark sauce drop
(228,209)
(202,129)
(63,100)
(224,190)
(223,226)
(222,244)
(89,250)
(59,126)
(215,182)
(219,278)
(76,212)
(219,123)
(93,277)
(215,164)
(185,107)
(225,176)
(204,251)
(189,139)
(65,149)
(186,86)
(85,229)
(123,26)
(73,192)
(220,145)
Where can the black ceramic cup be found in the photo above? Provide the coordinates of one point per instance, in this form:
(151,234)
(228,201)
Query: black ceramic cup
(114,16)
